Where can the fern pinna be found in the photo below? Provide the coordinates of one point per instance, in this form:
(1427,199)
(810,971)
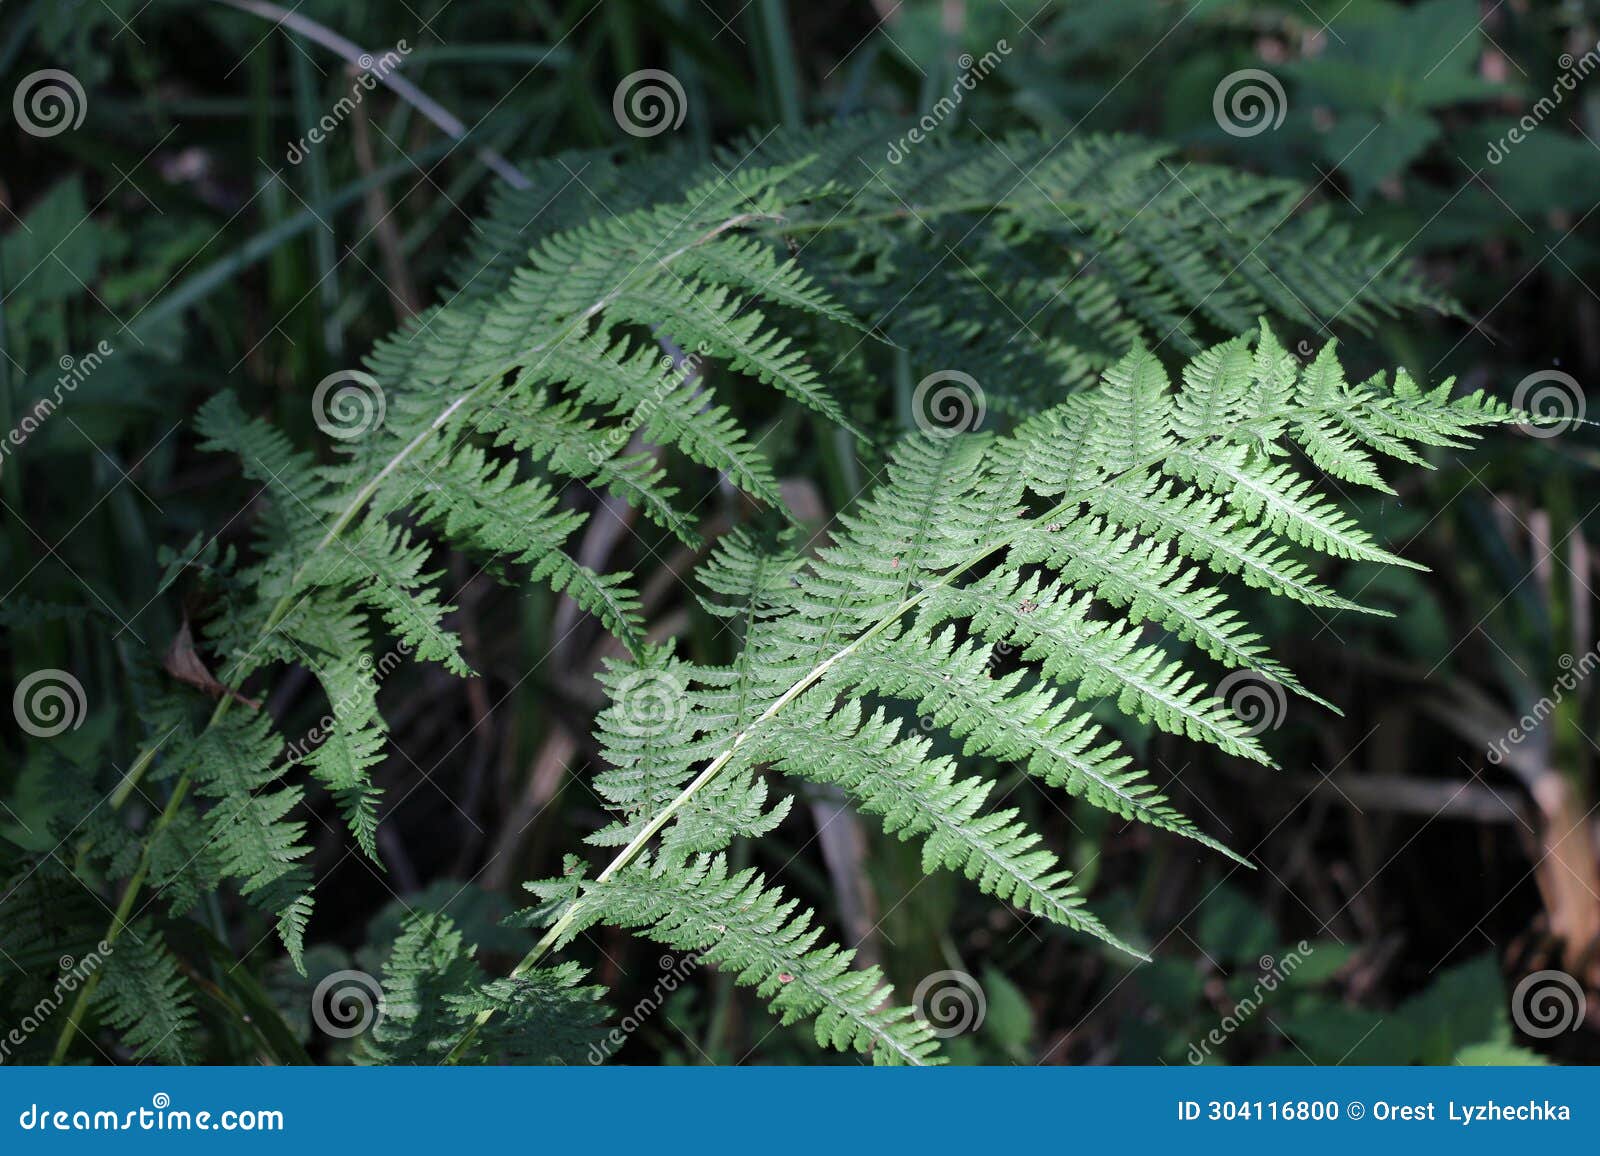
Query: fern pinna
(575,351)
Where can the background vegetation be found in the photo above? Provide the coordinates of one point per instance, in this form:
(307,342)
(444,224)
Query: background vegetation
(1414,871)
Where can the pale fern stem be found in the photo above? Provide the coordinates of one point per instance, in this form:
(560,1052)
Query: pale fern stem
(140,765)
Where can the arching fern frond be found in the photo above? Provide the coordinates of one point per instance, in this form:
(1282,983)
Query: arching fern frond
(742,925)
(1043,260)
(471,421)
(1037,260)
(974,541)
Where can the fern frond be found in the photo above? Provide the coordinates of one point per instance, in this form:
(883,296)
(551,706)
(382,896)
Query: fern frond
(548,368)
(921,796)
(1006,541)
(1103,243)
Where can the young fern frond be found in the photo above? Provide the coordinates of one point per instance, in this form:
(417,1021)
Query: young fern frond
(975,541)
